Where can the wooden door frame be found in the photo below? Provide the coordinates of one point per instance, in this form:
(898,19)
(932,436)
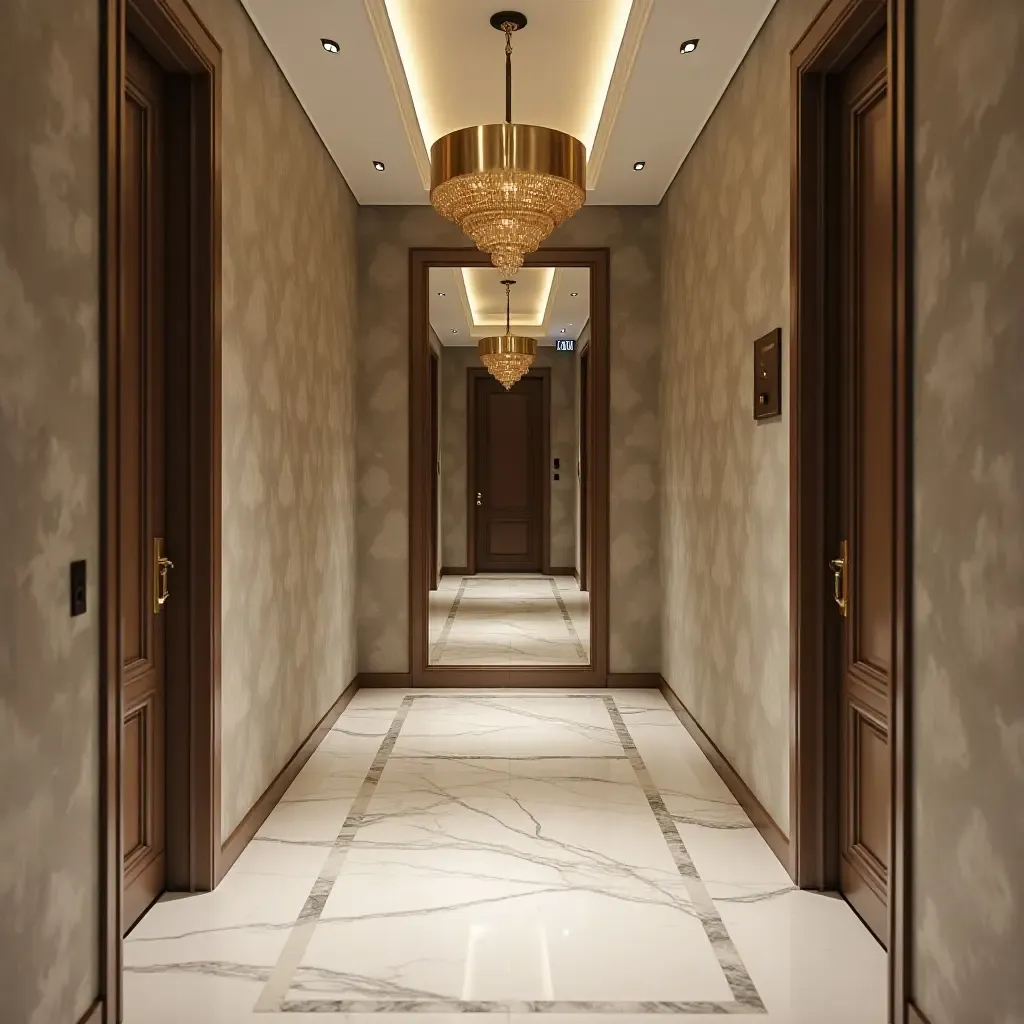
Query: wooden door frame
(435,458)
(473,374)
(583,473)
(835,38)
(174,36)
(422,673)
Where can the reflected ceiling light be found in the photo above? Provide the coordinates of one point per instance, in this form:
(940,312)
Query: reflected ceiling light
(508,186)
(378,165)
(440,295)
(572,295)
(689,46)
(330,45)
(507,356)
(639,165)
(474,280)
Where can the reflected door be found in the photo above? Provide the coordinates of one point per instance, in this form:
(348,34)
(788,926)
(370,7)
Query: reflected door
(509,475)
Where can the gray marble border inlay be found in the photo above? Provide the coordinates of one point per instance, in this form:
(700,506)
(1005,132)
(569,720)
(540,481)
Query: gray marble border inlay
(569,624)
(442,639)
(273,998)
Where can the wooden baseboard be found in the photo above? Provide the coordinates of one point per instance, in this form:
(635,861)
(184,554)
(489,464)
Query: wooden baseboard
(761,819)
(914,1015)
(562,570)
(383,680)
(634,680)
(454,570)
(260,811)
(94,1015)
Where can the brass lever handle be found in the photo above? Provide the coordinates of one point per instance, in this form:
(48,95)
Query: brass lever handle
(839,567)
(161,566)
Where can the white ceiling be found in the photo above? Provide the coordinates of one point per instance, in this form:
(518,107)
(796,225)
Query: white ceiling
(468,303)
(607,71)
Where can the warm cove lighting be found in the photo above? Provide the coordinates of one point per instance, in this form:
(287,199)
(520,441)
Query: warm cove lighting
(432,113)
(476,303)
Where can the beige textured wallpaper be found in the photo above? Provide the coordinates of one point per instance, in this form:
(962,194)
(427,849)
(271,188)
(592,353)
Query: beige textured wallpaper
(968,639)
(385,236)
(49,501)
(289,321)
(454,453)
(725,478)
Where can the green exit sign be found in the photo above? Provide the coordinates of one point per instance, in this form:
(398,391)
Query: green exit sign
(565,345)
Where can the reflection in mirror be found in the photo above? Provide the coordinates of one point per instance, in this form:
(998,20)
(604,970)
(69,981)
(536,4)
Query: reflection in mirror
(509,504)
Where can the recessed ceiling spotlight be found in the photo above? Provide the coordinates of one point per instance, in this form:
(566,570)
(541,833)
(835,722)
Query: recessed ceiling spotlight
(455,330)
(689,46)
(440,295)
(378,165)
(330,45)
(563,330)
(639,165)
(572,295)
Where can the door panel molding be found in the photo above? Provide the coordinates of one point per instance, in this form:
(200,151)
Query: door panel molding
(473,484)
(421,672)
(838,35)
(170,33)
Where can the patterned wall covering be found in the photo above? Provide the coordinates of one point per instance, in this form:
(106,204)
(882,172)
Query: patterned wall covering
(289,308)
(725,497)
(386,234)
(969,498)
(454,453)
(49,501)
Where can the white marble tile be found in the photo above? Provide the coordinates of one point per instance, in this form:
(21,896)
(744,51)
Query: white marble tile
(501,852)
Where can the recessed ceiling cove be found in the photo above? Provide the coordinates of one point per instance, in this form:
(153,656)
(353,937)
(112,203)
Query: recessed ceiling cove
(608,72)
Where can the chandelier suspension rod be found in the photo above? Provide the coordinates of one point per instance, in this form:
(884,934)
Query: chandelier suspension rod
(508,28)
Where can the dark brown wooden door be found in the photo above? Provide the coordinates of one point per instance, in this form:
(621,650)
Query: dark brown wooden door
(866,484)
(509,477)
(141,484)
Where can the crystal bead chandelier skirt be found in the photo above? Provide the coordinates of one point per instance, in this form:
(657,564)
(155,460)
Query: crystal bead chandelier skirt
(507,357)
(508,186)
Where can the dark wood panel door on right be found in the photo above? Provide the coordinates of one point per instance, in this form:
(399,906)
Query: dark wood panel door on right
(865,564)
(509,475)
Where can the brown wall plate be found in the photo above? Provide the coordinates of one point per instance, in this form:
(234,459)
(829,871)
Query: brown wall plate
(768,375)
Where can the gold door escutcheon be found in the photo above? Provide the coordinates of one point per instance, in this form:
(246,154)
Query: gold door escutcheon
(161,566)
(839,567)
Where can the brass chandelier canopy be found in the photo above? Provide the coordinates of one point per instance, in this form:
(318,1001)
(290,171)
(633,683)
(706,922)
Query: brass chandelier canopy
(507,356)
(508,186)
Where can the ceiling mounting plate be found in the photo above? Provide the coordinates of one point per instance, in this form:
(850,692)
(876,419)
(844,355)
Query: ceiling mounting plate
(515,18)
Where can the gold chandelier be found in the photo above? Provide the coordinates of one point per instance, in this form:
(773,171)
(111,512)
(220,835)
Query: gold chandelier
(507,356)
(508,186)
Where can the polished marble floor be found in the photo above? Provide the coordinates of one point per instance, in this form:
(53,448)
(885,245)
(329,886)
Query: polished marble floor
(499,856)
(509,620)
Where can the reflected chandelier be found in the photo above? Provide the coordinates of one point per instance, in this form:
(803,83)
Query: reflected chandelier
(507,356)
(508,186)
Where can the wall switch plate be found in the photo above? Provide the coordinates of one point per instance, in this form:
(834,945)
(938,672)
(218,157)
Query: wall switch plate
(556,476)
(768,375)
(78,588)
(557,463)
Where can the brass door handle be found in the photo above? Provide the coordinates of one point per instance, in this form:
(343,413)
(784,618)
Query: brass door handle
(839,567)
(161,566)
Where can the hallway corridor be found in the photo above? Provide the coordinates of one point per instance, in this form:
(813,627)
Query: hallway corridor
(499,855)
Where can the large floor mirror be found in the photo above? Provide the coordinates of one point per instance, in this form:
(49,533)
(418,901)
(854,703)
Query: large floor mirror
(508,561)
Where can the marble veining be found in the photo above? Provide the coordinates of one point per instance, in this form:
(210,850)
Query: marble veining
(509,619)
(502,855)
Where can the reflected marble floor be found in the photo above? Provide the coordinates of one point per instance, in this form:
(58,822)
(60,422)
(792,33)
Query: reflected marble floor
(509,620)
(499,855)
